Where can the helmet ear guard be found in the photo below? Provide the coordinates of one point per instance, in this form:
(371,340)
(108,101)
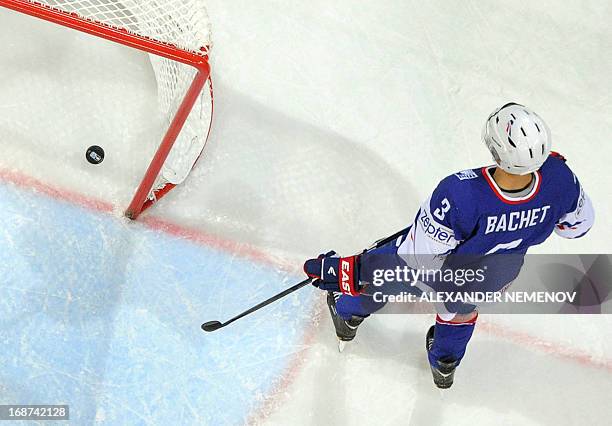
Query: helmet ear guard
(518,139)
(495,155)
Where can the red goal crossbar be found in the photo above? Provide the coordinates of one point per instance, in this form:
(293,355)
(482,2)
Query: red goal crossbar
(199,61)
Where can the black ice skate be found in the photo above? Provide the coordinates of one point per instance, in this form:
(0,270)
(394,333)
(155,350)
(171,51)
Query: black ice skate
(345,330)
(444,374)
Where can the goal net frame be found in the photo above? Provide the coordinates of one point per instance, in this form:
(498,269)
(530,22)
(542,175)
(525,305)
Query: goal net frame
(146,195)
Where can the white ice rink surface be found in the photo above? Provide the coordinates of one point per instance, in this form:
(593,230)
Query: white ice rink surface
(333,121)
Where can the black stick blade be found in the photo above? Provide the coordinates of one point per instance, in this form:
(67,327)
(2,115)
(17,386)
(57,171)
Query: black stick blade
(211,326)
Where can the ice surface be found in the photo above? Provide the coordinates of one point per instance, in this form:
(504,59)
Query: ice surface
(333,121)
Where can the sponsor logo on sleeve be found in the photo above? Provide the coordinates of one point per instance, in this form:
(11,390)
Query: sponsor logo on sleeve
(437,232)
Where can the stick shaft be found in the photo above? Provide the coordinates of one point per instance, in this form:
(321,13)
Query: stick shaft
(270,300)
(390,238)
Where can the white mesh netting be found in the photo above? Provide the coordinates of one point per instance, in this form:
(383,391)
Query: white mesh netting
(181,23)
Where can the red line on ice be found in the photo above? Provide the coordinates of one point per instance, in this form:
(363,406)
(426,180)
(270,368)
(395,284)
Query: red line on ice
(21,180)
(194,235)
(555,349)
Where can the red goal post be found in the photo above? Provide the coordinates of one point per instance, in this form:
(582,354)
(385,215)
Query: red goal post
(121,25)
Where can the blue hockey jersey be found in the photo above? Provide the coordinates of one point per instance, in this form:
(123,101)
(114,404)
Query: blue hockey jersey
(468,215)
(469,221)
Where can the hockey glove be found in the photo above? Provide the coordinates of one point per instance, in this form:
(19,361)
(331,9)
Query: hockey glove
(334,273)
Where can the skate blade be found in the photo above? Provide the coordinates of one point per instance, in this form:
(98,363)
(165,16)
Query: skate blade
(341,345)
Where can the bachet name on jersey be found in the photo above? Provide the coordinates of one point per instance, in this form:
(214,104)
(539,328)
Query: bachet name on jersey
(516,220)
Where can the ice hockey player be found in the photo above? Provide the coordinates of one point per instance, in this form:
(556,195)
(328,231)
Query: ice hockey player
(503,208)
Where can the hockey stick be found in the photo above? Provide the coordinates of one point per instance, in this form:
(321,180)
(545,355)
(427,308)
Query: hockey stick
(215,325)
(383,241)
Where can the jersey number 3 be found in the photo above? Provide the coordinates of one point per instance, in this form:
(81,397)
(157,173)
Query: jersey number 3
(440,212)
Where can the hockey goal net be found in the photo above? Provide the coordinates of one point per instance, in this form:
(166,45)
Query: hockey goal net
(176,35)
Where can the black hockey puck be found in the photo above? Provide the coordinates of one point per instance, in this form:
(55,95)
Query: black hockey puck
(94,154)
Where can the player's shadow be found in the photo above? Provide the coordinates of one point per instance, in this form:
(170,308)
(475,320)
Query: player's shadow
(278,182)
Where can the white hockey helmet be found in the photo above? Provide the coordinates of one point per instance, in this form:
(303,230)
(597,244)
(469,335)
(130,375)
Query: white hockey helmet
(518,139)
